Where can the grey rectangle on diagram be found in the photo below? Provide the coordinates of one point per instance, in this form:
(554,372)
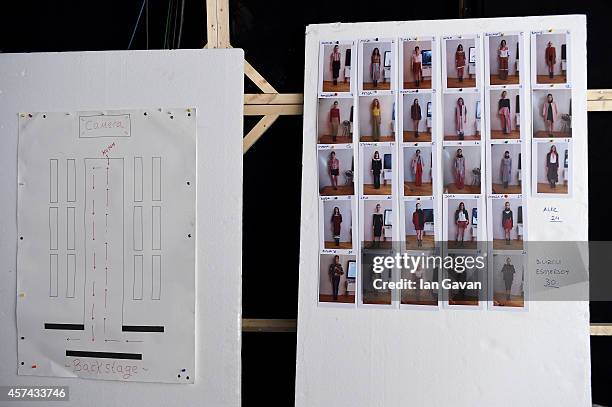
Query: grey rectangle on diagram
(156,277)
(70,228)
(156,178)
(71,180)
(53,228)
(53,275)
(138,269)
(138,168)
(53,169)
(156,228)
(137,229)
(70,275)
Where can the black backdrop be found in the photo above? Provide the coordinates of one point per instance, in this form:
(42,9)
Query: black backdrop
(272,35)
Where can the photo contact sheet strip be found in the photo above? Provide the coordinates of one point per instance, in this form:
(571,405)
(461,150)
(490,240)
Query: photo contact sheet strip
(507,136)
(419,166)
(337,178)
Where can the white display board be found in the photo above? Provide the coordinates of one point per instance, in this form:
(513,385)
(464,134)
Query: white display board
(106,205)
(183,126)
(376,347)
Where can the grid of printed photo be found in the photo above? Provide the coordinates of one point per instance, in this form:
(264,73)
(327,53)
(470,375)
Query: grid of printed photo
(422,149)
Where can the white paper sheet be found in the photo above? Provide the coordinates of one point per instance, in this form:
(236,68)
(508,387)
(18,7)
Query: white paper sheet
(106,251)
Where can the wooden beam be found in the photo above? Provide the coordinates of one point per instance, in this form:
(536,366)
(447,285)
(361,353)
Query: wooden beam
(601,329)
(211,24)
(599,94)
(599,105)
(290,325)
(269,325)
(599,100)
(223,27)
(261,110)
(257,79)
(257,131)
(217,24)
(274,99)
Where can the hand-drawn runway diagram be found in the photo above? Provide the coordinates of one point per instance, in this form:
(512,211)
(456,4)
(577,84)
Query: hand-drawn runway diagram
(106,251)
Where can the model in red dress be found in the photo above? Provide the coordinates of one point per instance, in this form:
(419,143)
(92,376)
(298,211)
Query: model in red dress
(418,220)
(551,59)
(460,62)
(417,168)
(507,222)
(334,120)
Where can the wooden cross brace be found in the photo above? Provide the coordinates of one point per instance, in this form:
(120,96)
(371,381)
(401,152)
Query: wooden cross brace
(270,104)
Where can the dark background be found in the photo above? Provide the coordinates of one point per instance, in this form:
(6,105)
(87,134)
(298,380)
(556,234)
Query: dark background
(272,35)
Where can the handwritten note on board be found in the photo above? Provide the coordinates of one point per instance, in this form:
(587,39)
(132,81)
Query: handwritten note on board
(102,125)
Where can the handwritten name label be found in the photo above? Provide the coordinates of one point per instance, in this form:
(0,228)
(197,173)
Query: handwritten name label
(104,126)
(552,214)
(551,271)
(558,271)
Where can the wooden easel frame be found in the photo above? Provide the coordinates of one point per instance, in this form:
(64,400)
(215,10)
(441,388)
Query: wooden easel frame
(270,104)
